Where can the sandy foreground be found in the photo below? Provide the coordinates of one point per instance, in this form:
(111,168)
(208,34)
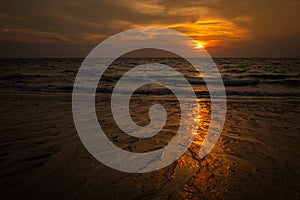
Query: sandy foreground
(42,157)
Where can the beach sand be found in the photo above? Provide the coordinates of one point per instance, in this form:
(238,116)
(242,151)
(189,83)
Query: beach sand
(42,157)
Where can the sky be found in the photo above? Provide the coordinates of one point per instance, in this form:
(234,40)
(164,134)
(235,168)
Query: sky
(225,28)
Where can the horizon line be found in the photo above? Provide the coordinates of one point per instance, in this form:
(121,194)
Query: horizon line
(214,57)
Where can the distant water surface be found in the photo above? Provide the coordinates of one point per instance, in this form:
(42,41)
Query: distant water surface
(249,78)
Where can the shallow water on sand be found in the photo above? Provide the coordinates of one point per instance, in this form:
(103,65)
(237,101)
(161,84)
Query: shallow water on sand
(257,155)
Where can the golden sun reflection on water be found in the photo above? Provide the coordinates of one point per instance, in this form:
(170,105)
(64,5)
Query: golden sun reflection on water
(200,171)
(203,124)
(190,160)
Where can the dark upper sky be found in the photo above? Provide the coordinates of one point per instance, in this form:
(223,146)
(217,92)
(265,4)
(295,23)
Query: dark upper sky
(226,28)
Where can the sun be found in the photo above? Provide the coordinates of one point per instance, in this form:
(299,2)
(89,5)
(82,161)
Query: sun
(200,44)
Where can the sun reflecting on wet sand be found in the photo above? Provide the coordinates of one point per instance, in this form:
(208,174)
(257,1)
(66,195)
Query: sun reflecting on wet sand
(204,121)
(190,161)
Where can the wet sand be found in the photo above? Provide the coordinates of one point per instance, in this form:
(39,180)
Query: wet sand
(42,157)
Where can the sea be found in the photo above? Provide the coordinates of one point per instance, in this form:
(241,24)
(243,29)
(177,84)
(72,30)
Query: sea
(243,77)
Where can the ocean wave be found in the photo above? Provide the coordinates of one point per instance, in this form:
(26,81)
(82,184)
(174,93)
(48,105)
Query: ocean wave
(240,82)
(227,82)
(289,82)
(262,94)
(21,76)
(269,76)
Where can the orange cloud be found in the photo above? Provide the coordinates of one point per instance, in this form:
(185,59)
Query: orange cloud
(210,32)
(213,32)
